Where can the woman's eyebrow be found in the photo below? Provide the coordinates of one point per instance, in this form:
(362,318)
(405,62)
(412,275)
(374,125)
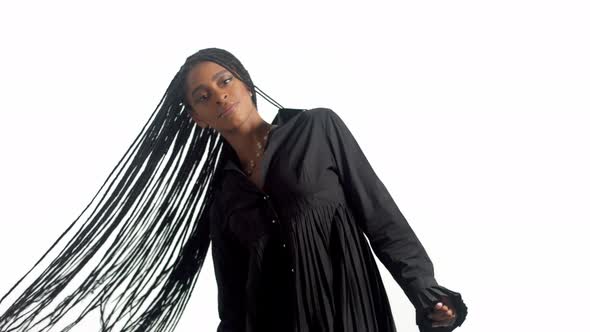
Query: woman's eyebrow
(219,73)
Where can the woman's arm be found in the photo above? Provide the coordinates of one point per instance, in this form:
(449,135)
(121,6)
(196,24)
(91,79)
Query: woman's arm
(391,237)
(230,264)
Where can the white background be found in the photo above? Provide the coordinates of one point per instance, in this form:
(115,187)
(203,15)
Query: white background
(482,110)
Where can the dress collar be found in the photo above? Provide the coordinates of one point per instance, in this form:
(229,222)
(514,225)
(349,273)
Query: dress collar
(282,117)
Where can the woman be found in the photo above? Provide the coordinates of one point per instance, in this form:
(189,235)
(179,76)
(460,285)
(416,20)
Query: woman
(285,206)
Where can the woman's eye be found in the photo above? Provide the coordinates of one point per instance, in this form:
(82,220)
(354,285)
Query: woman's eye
(225,82)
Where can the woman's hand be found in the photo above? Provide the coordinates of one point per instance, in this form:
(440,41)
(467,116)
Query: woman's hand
(443,313)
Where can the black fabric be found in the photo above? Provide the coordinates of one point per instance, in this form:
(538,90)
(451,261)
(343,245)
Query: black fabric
(294,257)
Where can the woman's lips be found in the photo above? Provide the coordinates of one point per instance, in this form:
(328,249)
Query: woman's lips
(228,111)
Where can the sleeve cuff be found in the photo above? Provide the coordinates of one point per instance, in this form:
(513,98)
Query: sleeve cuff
(428,297)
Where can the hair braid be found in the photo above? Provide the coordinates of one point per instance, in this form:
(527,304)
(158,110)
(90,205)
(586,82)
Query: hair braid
(135,252)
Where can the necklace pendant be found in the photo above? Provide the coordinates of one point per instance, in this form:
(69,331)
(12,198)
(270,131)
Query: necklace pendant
(260,150)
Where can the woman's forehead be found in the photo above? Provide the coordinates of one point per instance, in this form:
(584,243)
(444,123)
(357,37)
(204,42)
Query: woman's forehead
(205,71)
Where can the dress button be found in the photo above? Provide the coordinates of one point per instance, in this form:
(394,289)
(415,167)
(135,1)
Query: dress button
(292,270)
(265,197)
(273,221)
(284,245)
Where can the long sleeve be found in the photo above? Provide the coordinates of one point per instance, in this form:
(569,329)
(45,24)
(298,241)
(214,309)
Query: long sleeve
(230,266)
(391,237)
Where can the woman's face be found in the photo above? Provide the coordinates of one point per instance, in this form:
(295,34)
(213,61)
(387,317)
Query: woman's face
(211,90)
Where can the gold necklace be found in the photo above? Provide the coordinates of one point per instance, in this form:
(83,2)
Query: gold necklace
(259,151)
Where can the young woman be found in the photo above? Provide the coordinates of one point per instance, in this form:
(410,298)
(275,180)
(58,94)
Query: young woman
(286,207)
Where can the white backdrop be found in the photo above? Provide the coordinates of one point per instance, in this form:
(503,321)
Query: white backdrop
(483,109)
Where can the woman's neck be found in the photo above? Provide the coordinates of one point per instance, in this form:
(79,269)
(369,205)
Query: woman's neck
(245,139)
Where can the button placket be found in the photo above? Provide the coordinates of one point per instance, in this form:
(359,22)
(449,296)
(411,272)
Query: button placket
(275,221)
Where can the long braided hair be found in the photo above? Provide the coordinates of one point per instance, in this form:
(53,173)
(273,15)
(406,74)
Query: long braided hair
(135,252)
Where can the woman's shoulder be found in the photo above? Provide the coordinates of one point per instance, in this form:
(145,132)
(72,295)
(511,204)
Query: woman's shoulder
(300,116)
(319,112)
(319,115)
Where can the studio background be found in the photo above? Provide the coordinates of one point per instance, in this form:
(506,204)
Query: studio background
(482,109)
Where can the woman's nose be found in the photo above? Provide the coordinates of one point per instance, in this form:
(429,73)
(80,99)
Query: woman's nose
(221,97)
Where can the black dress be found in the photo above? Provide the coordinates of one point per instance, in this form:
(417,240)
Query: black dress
(294,256)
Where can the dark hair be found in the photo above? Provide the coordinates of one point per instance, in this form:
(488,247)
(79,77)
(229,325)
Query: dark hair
(135,253)
(222,58)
